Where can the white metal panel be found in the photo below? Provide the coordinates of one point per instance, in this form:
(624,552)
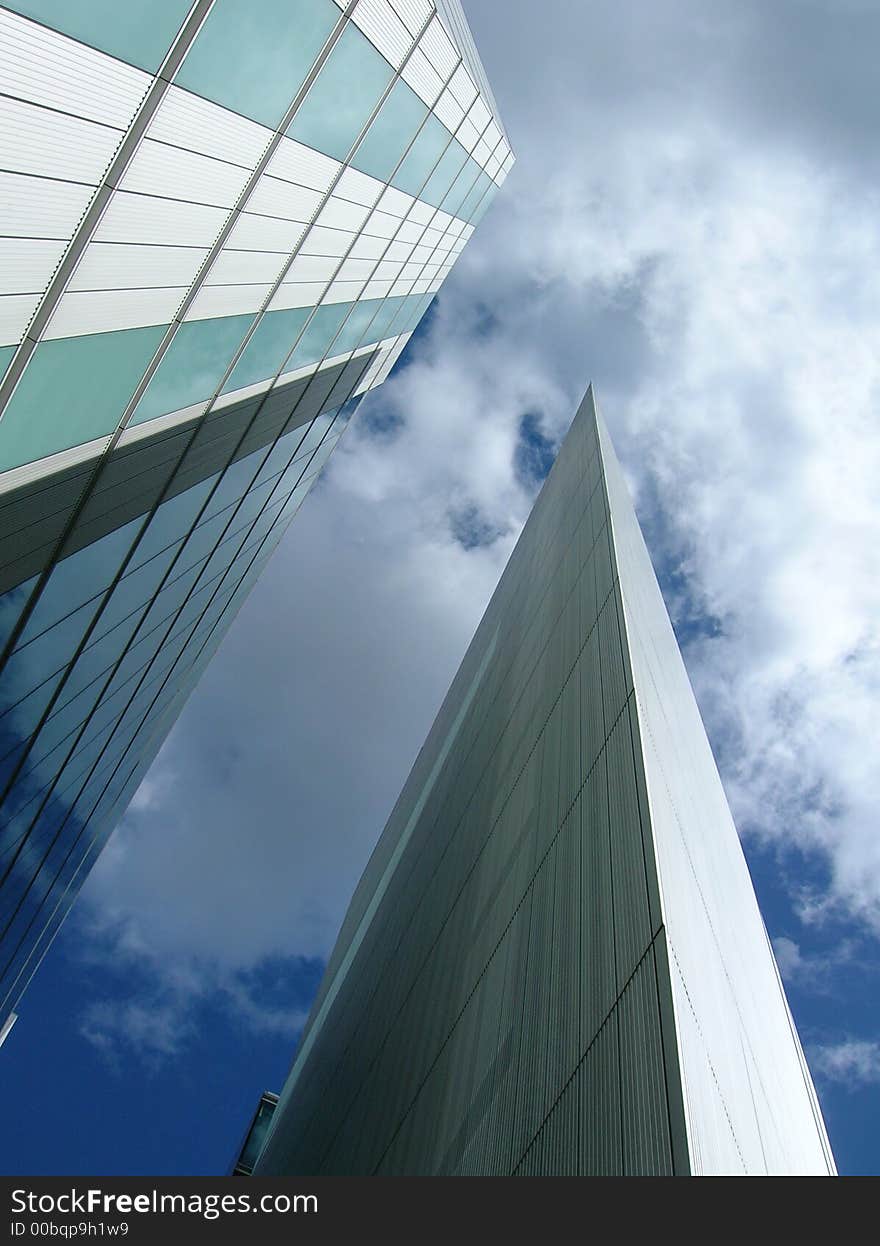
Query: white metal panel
(730,1009)
(381,225)
(493,164)
(356,269)
(26,264)
(481,153)
(376,289)
(359,187)
(421,286)
(442,220)
(461,84)
(297,294)
(15,313)
(391,359)
(343,291)
(198,124)
(159,169)
(401,251)
(479,114)
(37,140)
(492,135)
(265,233)
(421,213)
(410,271)
(395,201)
(367,247)
(431,237)
(413,13)
(468,135)
(384,29)
(212,301)
(388,270)
(273,197)
(320,241)
(233,267)
(39,207)
(401,286)
(420,253)
(449,111)
(300,164)
(439,49)
(409,231)
(124,266)
(147,218)
(420,74)
(41,65)
(103,311)
(312,268)
(340,214)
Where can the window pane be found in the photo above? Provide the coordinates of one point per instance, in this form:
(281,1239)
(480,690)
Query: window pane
(253,58)
(427,149)
(138,33)
(315,342)
(74,389)
(268,348)
(342,96)
(192,366)
(391,132)
(444,175)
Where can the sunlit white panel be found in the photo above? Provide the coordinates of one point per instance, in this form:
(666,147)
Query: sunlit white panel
(272,197)
(103,311)
(376,289)
(297,294)
(123,266)
(481,152)
(312,268)
(421,286)
(200,125)
(418,253)
(15,313)
(413,13)
(367,247)
(39,207)
(147,218)
(508,163)
(41,65)
(439,49)
(409,231)
(244,267)
(419,73)
(401,286)
(320,241)
(359,188)
(214,301)
(480,116)
(468,135)
(388,270)
(396,202)
(393,355)
(442,220)
(492,135)
(421,213)
(158,169)
(384,29)
(340,214)
(381,224)
(434,285)
(399,251)
(449,111)
(461,84)
(36,140)
(265,233)
(409,271)
(493,164)
(431,237)
(467,230)
(26,264)
(356,270)
(300,164)
(343,291)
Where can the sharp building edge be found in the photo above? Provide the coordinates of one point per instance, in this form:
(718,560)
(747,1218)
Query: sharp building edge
(222,224)
(554,962)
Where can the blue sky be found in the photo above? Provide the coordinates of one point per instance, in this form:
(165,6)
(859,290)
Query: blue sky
(692,225)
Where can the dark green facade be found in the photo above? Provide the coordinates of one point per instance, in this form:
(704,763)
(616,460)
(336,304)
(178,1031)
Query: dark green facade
(498,1001)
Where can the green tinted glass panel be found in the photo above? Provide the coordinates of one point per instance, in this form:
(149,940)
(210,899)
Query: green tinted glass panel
(479,211)
(386,318)
(342,96)
(268,348)
(321,330)
(253,58)
(138,33)
(462,188)
(73,389)
(358,327)
(474,195)
(192,366)
(6,353)
(410,313)
(439,183)
(429,145)
(391,133)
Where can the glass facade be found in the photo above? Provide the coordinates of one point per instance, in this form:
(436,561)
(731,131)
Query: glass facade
(554,963)
(224,223)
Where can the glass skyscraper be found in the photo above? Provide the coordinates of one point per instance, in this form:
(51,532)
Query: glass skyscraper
(222,220)
(554,962)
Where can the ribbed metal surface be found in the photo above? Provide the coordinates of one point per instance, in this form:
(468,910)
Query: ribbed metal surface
(495,1001)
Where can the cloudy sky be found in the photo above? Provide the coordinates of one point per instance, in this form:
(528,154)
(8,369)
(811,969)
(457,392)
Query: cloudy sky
(693,225)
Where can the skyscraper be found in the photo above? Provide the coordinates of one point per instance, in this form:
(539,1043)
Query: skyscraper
(222,222)
(554,962)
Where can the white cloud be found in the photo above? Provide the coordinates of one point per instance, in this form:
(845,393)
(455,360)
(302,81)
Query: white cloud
(701,256)
(853,1062)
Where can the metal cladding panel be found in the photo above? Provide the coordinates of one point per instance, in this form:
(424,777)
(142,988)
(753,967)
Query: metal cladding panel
(751,1106)
(498,1000)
